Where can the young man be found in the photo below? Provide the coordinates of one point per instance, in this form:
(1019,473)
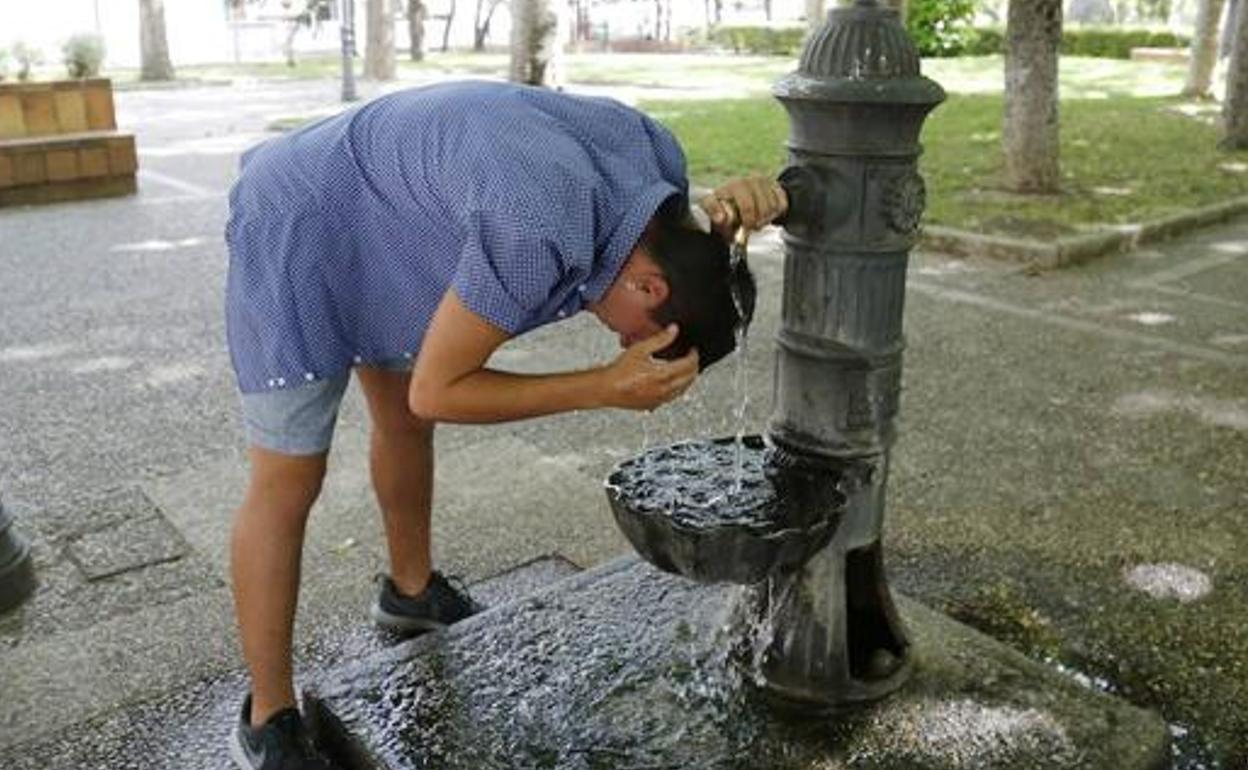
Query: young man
(406,240)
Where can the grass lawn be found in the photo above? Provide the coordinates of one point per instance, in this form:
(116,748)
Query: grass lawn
(1128,155)
(1131,150)
(1124,159)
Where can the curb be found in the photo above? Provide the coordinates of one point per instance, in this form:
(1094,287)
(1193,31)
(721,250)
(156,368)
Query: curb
(1076,249)
(177,84)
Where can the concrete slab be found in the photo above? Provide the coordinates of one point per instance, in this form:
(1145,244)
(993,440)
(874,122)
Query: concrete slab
(628,667)
(128,546)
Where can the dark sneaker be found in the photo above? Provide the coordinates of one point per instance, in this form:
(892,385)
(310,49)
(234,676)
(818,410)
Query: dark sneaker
(441,603)
(281,743)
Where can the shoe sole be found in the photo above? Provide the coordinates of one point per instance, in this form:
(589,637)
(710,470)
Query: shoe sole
(401,624)
(238,754)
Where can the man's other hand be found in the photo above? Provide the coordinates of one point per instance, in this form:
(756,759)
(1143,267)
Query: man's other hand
(638,380)
(748,202)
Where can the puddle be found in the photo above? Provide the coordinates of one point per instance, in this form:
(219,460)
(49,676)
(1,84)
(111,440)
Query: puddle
(1169,581)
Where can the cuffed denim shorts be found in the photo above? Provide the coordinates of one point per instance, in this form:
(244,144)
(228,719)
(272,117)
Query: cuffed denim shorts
(300,420)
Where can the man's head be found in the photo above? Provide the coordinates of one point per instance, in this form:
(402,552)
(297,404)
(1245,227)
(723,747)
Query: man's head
(679,274)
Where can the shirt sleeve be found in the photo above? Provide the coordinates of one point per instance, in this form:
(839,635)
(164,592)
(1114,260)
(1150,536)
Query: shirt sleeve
(506,271)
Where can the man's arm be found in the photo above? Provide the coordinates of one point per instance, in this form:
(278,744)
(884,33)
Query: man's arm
(451,384)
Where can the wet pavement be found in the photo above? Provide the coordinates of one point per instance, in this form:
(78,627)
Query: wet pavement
(1071,473)
(627,667)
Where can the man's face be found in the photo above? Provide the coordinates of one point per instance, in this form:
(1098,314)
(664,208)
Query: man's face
(628,304)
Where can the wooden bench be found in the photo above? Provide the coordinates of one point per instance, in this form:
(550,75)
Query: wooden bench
(59,141)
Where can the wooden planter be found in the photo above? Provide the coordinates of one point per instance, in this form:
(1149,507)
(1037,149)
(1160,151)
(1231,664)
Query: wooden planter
(59,141)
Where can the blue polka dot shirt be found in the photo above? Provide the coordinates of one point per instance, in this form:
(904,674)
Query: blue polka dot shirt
(344,235)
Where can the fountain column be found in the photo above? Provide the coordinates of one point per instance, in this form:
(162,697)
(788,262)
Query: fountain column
(856,106)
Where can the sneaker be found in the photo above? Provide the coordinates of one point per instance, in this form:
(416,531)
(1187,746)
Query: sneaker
(440,604)
(281,743)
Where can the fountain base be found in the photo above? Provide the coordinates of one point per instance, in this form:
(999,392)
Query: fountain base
(625,666)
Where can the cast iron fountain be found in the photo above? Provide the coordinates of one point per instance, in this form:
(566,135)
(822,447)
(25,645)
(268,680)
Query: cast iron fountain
(807,516)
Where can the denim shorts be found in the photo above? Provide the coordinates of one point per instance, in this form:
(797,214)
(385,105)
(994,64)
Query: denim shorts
(300,420)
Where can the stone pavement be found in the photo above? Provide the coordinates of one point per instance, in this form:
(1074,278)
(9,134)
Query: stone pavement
(1071,473)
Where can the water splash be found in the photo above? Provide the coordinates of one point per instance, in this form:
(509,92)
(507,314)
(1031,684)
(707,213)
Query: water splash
(759,628)
(646,419)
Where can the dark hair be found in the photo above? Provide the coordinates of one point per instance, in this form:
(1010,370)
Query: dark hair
(701,280)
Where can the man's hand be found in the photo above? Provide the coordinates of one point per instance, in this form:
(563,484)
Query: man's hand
(638,380)
(749,203)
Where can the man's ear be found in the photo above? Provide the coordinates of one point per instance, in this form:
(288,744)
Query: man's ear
(655,288)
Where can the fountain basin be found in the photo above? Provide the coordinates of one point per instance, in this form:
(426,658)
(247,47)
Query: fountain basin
(713,512)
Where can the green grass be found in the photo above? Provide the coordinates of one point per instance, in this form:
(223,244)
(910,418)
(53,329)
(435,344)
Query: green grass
(1124,159)
(740,74)
(1131,151)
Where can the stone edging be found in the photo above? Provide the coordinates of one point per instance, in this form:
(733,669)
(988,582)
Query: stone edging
(177,84)
(1074,249)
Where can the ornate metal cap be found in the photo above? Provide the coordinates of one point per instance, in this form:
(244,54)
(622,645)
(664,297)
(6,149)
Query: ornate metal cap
(859,42)
(863,54)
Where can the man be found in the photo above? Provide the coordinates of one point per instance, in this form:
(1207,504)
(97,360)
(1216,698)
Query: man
(406,240)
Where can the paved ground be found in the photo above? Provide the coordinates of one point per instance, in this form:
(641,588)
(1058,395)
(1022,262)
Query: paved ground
(1071,474)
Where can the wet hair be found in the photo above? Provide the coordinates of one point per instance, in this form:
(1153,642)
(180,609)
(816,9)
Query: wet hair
(701,281)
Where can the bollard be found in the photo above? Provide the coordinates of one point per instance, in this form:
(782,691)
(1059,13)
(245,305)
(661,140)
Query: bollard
(17,574)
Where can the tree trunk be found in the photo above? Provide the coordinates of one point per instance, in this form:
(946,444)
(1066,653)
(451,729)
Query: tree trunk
(153,45)
(1228,29)
(1204,48)
(815,15)
(288,45)
(481,26)
(379,45)
(536,42)
(416,29)
(1235,106)
(1030,133)
(446,31)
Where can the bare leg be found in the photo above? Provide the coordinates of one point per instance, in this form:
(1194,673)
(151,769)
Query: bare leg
(401,460)
(265,552)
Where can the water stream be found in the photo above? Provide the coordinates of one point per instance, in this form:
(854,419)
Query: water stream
(736,258)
